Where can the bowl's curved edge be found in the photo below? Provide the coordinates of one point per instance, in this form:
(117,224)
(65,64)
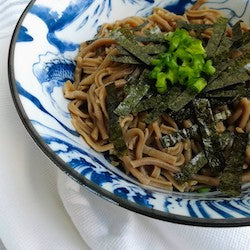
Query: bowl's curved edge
(85,182)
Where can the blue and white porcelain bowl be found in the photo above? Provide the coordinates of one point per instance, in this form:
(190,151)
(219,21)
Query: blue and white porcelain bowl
(42,50)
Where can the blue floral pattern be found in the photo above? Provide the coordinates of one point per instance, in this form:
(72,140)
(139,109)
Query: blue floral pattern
(53,33)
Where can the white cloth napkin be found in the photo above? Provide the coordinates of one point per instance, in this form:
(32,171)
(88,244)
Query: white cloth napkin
(42,208)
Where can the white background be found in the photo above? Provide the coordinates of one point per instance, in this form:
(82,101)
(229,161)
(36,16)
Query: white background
(41,208)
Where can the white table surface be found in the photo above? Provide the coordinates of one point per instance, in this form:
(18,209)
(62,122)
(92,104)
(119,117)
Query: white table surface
(23,167)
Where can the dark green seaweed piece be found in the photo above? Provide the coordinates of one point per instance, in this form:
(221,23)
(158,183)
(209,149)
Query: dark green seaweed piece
(136,93)
(134,76)
(222,116)
(228,78)
(240,91)
(242,43)
(214,41)
(192,167)
(223,49)
(183,99)
(183,134)
(245,40)
(153,49)
(210,137)
(155,38)
(132,79)
(191,26)
(139,27)
(237,31)
(162,106)
(122,51)
(225,139)
(217,102)
(182,114)
(231,72)
(149,103)
(126,39)
(230,180)
(125,59)
(114,129)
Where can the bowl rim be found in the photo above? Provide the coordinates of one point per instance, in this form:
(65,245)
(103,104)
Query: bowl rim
(99,191)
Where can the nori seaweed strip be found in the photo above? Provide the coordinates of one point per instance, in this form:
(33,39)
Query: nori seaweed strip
(225,139)
(122,51)
(157,102)
(230,180)
(228,78)
(237,31)
(231,72)
(132,79)
(150,49)
(182,114)
(228,66)
(155,38)
(148,103)
(191,26)
(136,93)
(191,168)
(240,91)
(214,41)
(124,59)
(126,39)
(139,27)
(222,116)
(134,76)
(114,129)
(153,49)
(168,99)
(210,137)
(245,40)
(183,99)
(223,49)
(183,134)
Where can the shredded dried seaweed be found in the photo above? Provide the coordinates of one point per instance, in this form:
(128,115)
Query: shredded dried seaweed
(125,38)
(183,99)
(134,96)
(125,59)
(229,78)
(149,103)
(222,116)
(192,26)
(223,49)
(153,49)
(114,129)
(239,91)
(141,26)
(182,114)
(230,180)
(218,31)
(237,31)
(225,140)
(163,105)
(191,168)
(155,38)
(210,137)
(183,134)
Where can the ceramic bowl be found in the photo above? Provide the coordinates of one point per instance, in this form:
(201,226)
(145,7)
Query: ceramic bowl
(41,59)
